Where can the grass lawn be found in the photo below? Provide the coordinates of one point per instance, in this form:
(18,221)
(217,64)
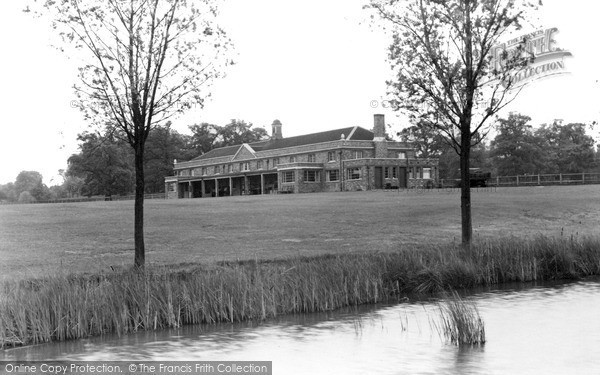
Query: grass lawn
(90,237)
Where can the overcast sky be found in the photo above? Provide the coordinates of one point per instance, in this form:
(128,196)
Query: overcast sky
(313,64)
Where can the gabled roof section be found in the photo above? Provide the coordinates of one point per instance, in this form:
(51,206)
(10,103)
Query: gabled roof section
(357,132)
(244,152)
(361,134)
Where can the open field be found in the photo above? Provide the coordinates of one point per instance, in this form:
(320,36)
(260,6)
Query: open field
(90,237)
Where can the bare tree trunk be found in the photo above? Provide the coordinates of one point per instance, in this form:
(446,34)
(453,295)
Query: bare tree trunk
(465,189)
(138,232)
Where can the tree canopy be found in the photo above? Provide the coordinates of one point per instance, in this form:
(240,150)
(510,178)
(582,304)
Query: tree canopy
(515,149)
(144,61)
(206,137)
(104,164)
(447,74)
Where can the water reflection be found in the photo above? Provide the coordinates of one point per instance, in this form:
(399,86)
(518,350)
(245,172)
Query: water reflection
(534,329)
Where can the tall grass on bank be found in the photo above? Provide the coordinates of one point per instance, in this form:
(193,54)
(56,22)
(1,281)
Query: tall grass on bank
(460,322)
(75,306)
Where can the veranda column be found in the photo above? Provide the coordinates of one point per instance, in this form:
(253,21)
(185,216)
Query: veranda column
(191,189)
(216,188)
(230,186)
(262,183)
(203,187)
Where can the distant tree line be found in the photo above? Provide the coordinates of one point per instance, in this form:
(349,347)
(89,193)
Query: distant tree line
(104,164)
(517,148)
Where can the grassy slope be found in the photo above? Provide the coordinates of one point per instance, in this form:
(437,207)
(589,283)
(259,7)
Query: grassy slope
(39,239)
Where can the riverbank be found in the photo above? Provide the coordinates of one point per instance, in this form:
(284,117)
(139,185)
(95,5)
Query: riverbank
(76,306)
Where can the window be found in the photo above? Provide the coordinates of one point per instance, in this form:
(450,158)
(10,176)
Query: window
(224,168)
(333,175)
(275,162)
(312,158)
(241,167)
(354,174)
(358,154)
(230,168)
(259,164)
(410,173)
(172,187)
(292,159)
(391,172)
(426,173)
(246,166)
(418,172)
(312,176)
(331,156)
(267,163)
(217,170)
(402,155)
(203,171)
(287,177)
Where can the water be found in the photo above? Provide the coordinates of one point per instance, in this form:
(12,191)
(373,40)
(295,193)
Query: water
(533,330)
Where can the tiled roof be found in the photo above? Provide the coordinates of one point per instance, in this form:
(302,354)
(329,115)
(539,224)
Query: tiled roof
(357,134)
(219,152)
(326,136)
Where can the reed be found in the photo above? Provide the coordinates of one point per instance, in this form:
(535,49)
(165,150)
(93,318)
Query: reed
(460,322)
(63,307)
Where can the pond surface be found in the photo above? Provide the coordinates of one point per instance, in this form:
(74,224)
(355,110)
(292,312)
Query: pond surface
(551,329)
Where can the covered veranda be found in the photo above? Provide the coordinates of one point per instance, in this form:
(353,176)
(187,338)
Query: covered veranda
(222,186)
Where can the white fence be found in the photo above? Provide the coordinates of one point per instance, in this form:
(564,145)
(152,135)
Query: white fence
(535,180)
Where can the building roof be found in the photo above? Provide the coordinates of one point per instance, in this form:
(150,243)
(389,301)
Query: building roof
(219,152)
(355,133)
(350,133)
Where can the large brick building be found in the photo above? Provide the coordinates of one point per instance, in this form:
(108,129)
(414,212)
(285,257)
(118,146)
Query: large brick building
(345,159)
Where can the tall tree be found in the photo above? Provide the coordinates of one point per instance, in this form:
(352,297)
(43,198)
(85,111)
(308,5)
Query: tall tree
(447,73)
(206,136)
(104,164)
(147,60)
(238,132)
(515,149)
(568,148)
(32,183)
(203,137)
(428,142)
(162,147)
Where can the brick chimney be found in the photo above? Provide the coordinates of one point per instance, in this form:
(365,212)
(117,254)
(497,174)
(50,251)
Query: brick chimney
(381,150)
(276,130)
(379,126)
